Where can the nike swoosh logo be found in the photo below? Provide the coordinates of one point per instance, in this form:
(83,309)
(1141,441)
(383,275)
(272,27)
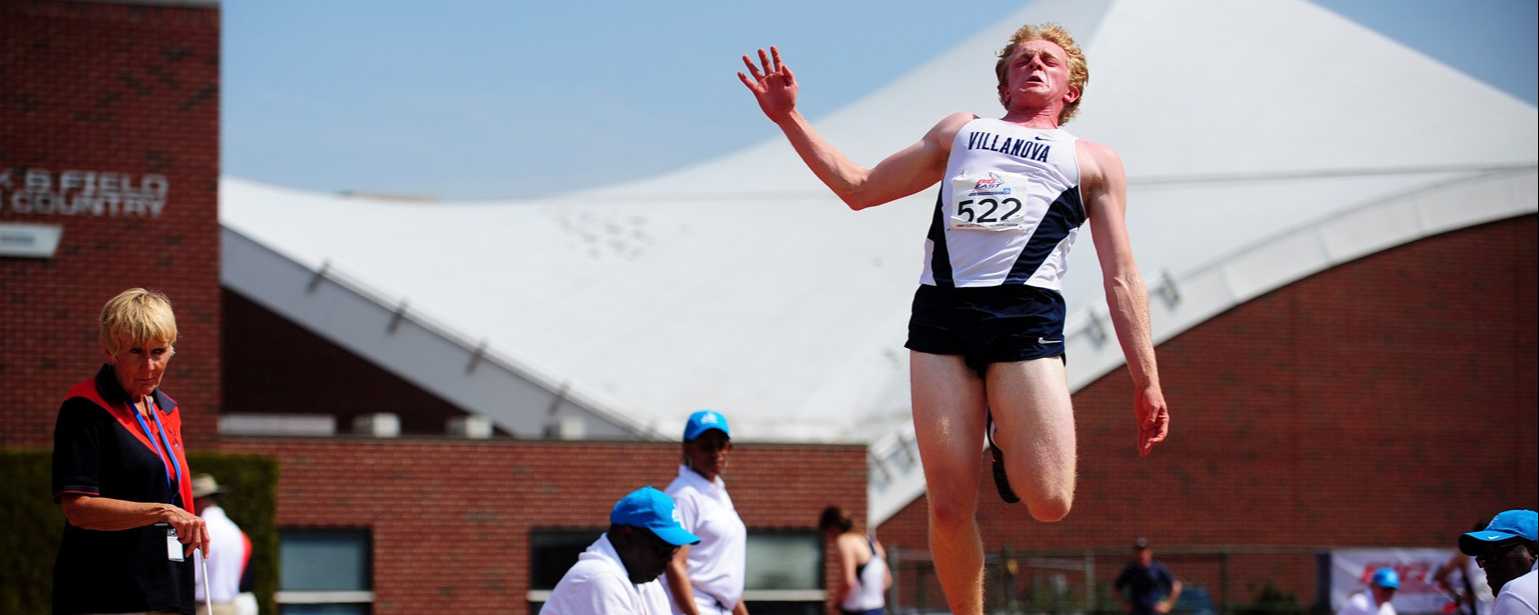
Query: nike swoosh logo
(1043,340)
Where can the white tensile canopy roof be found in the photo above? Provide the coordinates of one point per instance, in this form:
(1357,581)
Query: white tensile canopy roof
(1263,141)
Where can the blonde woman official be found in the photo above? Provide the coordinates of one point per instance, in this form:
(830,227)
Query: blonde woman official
(120,473)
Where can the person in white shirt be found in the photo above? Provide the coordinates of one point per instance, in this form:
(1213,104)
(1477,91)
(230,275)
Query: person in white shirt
(1506,550)
(1464,582)
(618,573)
(226,552)
(707,579)
(864,577)
(1376,599)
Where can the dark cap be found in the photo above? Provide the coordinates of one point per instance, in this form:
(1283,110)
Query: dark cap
(1141,543)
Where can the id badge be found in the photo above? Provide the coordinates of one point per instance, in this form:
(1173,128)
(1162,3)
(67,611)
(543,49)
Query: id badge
(173,546)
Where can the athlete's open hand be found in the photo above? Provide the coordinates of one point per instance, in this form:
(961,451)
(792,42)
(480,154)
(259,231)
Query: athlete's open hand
(772,84)
(1153,418)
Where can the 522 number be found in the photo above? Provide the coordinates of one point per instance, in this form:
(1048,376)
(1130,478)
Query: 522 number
(965,207)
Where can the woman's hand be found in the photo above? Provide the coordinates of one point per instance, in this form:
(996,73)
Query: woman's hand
(190,529)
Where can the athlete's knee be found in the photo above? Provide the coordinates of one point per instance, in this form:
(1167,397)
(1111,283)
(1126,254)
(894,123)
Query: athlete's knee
(1050,507)
(951,513)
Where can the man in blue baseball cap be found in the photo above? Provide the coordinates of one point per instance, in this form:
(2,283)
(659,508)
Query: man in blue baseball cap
(1376,601)
(1506,550)
(618,573)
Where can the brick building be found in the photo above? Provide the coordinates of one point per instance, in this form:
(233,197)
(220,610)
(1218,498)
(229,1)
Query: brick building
(109,143)
(107,104)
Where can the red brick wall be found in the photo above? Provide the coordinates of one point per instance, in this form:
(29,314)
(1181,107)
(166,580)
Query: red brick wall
(272,365)
(450,519)
(1387,401)
(110,88)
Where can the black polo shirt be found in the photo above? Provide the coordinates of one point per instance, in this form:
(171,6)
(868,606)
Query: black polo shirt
(128,570)
(1146,585)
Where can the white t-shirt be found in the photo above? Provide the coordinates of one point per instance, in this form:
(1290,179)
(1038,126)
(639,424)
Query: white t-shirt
(717,565)
(598,585)
(1518,596)
(226,554)
(1361,603)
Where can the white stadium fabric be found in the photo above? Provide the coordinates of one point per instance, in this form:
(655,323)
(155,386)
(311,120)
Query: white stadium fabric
(1255,157)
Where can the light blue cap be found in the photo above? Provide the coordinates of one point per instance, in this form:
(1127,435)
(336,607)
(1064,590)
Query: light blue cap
(705,420)
(1386,578)
(652,509)
(1507,525)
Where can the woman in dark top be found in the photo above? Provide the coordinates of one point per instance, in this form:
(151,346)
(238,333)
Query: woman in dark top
(120,474)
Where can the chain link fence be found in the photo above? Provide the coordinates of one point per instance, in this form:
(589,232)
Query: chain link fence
(1228,580)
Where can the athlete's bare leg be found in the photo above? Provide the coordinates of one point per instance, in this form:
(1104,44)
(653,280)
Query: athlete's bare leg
(1034,422)
(948,424)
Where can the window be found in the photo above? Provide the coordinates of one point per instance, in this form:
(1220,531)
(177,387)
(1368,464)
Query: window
(551,553)
(325,572)
(785,573)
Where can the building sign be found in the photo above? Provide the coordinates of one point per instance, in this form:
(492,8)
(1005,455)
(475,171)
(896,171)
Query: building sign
(30,240)
(82,193)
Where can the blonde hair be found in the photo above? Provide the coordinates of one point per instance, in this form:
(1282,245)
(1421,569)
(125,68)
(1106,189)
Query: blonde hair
(137,317)
(1079,71)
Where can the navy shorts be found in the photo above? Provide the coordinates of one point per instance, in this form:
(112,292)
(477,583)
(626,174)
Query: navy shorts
(990,324)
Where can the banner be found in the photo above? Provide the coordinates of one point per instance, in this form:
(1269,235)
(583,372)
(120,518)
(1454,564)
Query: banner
(1419,593)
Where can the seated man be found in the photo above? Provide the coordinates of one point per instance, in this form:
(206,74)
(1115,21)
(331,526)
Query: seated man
(1507,550)
(618,573)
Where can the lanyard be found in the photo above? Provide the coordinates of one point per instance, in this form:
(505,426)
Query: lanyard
(176,466)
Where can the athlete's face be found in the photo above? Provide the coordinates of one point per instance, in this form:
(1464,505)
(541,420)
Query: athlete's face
(707,454)
(1038,76)
(140,366)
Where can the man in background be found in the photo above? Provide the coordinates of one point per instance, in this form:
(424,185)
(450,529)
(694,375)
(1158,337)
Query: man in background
(227,554)
(1376,599)
(1147,585)
(618,574)
(1506,550)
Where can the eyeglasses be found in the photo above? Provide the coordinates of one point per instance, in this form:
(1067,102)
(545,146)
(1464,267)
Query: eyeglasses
(1494,553)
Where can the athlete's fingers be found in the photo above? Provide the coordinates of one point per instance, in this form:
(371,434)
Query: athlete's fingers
(752,70)
(764,59)
(1162,425)
(753,86)
(775,57)
(790,76)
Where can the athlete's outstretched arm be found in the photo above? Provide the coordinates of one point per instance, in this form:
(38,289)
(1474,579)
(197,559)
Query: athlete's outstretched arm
(908,171)
(1106,191)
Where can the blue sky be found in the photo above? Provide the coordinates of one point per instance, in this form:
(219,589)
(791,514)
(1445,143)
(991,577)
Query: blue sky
(479,98)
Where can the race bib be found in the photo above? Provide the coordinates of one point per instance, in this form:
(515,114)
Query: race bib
(993,202)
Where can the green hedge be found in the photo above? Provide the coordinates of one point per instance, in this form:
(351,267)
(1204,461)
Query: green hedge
(30,523)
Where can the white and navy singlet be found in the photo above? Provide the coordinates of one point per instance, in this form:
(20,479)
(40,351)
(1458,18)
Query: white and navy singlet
(1009,208)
